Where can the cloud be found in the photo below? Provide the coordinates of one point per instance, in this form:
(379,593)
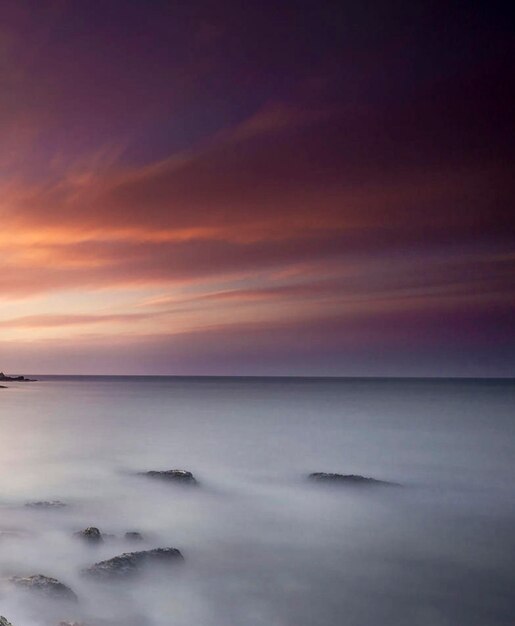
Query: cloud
(59,321)
(234,208)
(365,344)
(220,177)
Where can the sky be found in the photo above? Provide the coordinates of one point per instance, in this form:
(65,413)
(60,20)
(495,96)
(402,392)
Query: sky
(257,188)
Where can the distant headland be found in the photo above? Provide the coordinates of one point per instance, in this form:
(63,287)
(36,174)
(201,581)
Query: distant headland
(17,379)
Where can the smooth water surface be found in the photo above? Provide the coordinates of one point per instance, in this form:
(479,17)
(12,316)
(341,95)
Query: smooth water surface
(263,546)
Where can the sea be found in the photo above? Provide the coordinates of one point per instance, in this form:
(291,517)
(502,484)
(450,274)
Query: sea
(262,544)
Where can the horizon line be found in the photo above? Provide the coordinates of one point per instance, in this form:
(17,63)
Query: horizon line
(280,376)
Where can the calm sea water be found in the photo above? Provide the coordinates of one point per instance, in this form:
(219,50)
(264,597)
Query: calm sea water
(262,546)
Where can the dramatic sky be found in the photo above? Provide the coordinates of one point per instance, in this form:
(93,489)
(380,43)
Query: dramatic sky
(304,187)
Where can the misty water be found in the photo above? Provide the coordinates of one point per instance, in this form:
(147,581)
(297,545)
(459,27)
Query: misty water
(262,545)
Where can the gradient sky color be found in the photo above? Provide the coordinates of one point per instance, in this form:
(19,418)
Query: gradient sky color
(318,188)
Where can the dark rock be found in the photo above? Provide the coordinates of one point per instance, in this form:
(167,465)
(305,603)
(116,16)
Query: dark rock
(131,563)
(4,622)
(46,504)
(45,585)
(347,479)
(90,534)
(18,379)
(175,475)
(133,536)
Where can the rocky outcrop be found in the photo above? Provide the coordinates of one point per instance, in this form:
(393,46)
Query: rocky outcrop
(91,534)
(4,622)
(347,479)
(46,504)
(44,585)
(130,564)
(174,475)
(133,536)
(16,379)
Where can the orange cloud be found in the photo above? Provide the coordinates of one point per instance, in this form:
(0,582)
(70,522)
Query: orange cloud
(251,185)
(53,320)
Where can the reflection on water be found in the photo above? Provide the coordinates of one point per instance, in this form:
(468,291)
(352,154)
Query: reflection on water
(262,545)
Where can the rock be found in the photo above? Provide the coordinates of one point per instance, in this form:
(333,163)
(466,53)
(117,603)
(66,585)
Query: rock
(46,504)
(4,622)
(131,563)
(19,379)
(347,479)
(133,536)
(90,534)
(175,475)
(45,585)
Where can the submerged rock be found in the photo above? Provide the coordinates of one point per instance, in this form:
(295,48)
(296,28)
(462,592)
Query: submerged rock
(45,585)
(131,563)
(133,536)
(176,475)
(46,504)
(347,479)
(4,622)
(91,534)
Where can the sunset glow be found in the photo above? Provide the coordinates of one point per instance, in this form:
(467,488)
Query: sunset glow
(175,198)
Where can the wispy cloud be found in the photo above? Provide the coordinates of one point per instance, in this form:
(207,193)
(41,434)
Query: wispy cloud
(199,177)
